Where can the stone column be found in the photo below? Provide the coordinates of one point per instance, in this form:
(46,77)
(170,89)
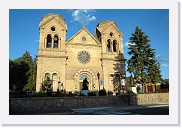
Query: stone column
(52,43)
(111,46)
(59,43)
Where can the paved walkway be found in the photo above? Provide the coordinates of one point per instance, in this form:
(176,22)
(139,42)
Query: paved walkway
(114,110)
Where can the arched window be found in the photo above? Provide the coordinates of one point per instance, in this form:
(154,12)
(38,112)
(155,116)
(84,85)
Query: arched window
(109,45)
(56,39)
(47,75)
(114,46)
(54,76)
(49,41)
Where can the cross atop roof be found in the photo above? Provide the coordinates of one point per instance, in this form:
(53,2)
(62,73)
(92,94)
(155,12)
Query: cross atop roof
(83,25)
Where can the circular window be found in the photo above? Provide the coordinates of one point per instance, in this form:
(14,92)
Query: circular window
(53,28)
(111,34)
(83,39)
(83,57)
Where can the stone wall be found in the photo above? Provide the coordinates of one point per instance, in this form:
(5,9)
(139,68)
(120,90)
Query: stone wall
(150,98)
(42,104)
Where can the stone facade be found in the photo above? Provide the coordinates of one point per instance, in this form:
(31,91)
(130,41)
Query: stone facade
(68,62)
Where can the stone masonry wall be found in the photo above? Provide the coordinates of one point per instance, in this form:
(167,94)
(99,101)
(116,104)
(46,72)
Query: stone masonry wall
(42,104)
(152,98)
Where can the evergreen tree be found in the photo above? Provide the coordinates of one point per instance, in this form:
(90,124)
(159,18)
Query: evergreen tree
(142,64)
(31,72)
(13,70)
(18,74)
(22,73)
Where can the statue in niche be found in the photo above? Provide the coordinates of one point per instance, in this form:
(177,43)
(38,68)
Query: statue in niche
(85,83)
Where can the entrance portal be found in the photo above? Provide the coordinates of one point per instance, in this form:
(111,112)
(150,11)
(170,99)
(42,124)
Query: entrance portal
(84,82)
(79,78)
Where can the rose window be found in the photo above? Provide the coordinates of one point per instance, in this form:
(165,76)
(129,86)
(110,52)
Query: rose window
(83,57)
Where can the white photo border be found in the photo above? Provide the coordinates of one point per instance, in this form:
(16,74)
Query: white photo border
(171,119)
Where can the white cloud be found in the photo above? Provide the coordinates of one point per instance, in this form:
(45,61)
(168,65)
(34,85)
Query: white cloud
(162,58)
(164,65)
(127,44)
(83,16)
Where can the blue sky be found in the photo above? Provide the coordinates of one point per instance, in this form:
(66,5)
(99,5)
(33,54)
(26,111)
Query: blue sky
(24,30)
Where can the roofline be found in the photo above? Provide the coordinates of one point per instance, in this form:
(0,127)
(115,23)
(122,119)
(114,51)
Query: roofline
(80,31)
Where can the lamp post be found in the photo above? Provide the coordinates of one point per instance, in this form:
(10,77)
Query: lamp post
(98,76)
(59,85)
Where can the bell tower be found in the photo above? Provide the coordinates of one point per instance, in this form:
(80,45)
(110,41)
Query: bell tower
(51,56)
(52,34)
(113,61)
(110,37)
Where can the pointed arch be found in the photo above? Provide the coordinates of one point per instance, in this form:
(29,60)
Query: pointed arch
(47,75)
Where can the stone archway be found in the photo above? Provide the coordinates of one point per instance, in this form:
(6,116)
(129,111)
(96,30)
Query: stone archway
(82,74)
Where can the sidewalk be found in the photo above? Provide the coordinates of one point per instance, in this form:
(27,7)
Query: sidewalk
(113,109)
(130,107)
(47,112)
(118,108)
(125,107)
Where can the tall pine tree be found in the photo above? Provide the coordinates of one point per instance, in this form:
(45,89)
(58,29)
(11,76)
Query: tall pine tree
(31,72)
(142,64)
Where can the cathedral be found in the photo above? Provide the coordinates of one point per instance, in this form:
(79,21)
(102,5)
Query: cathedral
(99,58)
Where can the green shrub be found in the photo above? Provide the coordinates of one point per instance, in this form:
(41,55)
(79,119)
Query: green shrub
(82,94)
(92,93)
(102,92)
(70,94)
(39,94)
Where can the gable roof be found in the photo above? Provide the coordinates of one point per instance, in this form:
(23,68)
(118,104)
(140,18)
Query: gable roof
(42,24)
(109,23)
(84,29)
(115,29)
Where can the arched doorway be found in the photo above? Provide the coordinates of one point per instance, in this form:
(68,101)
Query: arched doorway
(82,78)
(80,75)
